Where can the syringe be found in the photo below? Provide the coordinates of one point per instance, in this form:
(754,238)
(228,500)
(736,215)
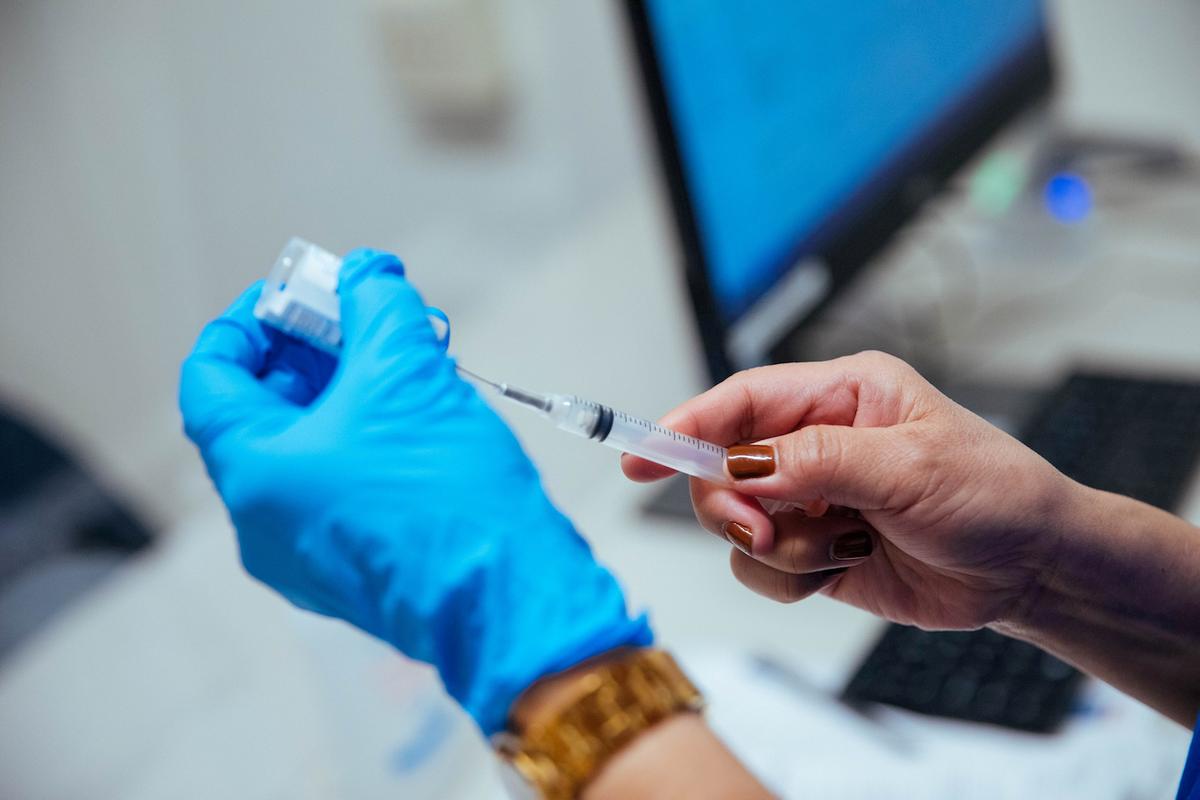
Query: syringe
(627,433)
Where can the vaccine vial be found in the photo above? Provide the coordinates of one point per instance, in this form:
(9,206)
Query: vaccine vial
(300,296)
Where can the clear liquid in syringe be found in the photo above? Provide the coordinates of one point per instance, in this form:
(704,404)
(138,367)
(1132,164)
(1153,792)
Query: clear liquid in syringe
(670,448)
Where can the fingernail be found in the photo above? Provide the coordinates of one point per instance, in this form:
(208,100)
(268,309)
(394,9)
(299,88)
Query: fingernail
(851,546)
(750,461)
(739,536)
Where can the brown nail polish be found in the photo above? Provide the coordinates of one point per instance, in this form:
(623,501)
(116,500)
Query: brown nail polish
(852,546)
(750,461)
(739,536)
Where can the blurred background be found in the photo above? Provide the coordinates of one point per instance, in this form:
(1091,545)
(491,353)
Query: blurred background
(154,157)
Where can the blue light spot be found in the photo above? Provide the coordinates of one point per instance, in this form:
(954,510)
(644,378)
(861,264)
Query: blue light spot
(1068,197)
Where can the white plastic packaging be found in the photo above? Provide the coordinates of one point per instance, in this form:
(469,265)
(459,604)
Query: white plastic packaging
(300,296)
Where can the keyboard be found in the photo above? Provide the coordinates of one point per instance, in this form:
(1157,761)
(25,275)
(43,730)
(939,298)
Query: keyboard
(1136,436)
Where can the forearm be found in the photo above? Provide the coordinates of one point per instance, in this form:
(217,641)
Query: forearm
(679,757)
(1120,598)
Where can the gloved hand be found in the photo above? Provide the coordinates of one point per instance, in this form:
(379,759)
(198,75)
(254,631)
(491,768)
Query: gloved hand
(387,493)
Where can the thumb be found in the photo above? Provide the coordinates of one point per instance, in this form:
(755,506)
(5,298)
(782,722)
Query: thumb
(219,385)
(381,312)
(862,468)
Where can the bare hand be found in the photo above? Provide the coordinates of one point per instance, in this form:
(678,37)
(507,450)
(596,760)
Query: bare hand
(953,519)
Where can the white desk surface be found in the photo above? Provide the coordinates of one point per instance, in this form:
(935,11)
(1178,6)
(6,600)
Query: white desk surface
(182,678)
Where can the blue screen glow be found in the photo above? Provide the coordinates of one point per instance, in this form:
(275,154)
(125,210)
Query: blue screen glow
(784,109)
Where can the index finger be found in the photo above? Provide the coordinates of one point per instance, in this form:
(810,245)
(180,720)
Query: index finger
(762,402)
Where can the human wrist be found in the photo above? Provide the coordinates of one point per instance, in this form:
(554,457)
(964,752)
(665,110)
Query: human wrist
(539,681)
(572,729)
(549,694)
(1121,601)
(1061,524)
(1082,548)
(539,604)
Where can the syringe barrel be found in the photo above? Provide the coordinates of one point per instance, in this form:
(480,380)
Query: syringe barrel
(646,439)
(639,437)
(686,454)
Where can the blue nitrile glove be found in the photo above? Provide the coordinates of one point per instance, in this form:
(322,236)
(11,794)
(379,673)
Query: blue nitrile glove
(387,493)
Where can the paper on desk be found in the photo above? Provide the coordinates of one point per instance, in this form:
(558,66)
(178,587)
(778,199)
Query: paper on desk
(804,745)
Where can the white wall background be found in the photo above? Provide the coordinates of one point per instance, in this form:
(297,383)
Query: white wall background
(155,155)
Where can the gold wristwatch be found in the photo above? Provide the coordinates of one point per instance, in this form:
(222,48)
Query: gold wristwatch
(608,704)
